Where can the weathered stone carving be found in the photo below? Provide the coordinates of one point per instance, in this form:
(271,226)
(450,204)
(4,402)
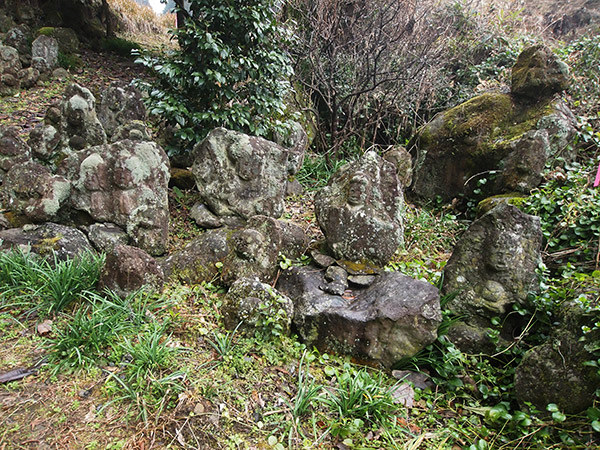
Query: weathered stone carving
(360,211)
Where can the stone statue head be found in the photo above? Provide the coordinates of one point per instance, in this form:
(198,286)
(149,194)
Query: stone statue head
(358,190)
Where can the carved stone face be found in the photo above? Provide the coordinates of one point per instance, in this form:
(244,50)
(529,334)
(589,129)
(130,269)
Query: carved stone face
(357,193)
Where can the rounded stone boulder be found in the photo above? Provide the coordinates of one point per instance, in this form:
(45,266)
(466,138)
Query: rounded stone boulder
(539,73)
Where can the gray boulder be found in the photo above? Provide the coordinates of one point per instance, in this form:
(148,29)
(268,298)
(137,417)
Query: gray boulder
(199,261)
(229,254)
(44,54)
(10,66)
(360,211)
(538,73)
(79,126)
(204,218)
(29,77)
(106,236)
(129,269)
(554,372)
(393,318)
(47,239)
(44,141)
(31,191)
(13,150)
(255,249)
(241,175)
(257,307)
(17,38)
(492,268)
(124,183)
(402,161)
(119,106)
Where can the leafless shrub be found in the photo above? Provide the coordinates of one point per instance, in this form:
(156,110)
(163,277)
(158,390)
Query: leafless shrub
(373,70)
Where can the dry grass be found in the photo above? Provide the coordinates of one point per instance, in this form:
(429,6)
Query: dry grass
(136,19)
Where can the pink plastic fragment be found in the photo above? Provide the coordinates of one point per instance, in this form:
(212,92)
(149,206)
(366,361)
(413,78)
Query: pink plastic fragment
(597,181)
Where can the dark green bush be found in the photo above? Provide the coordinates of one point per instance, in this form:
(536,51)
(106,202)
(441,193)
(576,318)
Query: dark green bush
(69,61)
(231,71)
(569,208)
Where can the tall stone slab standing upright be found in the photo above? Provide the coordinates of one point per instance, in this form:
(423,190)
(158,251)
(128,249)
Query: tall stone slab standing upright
(44,54)
(360,211)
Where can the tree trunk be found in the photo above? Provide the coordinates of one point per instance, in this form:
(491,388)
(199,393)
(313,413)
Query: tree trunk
(110,29)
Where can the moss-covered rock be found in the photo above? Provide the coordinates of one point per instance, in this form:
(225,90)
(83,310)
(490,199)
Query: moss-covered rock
(539,73)
(494,143)
(489,203)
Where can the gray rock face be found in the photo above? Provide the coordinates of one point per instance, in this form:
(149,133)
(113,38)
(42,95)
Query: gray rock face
(119,106)
(248,252)
(45,142)
(393,318)
(554,372)
(44,239)
(17,38)
(29,77)
(67,39)
(129,269)
(402,161)
(13,150)
(106,236)
(32,191)
(360,211)
(258,307)
(539,73)
(491,268)
(10,65)
(204,218)
(124,183)
(44,53)
(197,262)
(79,124)
(240,175)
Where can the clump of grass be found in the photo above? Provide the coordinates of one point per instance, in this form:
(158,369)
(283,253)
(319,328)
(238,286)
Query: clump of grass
(43,285)
(360,395)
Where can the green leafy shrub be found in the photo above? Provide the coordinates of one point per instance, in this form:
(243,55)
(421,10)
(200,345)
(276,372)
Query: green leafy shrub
(69,61)
(231,71)
(569,208)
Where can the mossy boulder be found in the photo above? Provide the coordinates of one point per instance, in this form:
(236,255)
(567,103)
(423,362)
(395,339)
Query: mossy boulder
(494,143)
(539,73)
(257,307)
